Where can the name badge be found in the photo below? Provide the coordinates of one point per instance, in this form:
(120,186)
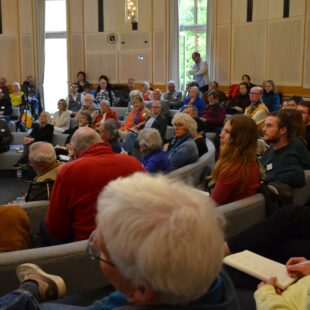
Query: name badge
(2,108)
(269,167)
(2,130)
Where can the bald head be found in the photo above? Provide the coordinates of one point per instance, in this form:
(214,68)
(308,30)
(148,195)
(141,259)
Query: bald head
(83,138)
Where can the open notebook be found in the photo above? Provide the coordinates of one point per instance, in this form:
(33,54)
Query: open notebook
(260,267)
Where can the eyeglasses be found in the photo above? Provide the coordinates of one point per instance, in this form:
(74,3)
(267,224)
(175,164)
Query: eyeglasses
(178,125)
(94,252)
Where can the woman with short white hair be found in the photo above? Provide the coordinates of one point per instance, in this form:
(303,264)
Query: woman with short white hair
(105,114)
(182,150)
(154,158)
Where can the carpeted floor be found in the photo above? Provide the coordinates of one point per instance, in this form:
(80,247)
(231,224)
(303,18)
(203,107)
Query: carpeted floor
(10,186)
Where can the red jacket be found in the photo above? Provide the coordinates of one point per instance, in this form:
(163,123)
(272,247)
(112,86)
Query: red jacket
(72,209)
(110,114)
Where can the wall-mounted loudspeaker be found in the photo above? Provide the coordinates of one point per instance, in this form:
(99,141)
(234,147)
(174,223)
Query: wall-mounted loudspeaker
(112,38)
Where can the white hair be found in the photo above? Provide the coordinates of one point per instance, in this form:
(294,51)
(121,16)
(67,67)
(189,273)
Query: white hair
(162,234)
(83,138)
(48,116)
(150,138)
(188,122)
(146,84)
(171,82)
(105,101)
(134,93)
(42,152)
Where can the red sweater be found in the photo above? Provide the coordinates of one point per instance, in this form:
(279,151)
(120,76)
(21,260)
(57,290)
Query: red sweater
(72,209)
(227,190)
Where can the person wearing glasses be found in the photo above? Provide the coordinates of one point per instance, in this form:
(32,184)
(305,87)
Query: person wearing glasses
(182,150)
(160,244)
(257,109)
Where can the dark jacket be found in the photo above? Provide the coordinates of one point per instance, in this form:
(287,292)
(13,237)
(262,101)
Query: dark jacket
(6,106)
(160,124)
(5,136)
(42,133)
(283,165)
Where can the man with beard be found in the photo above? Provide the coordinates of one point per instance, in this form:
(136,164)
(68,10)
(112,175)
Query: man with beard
(281,160)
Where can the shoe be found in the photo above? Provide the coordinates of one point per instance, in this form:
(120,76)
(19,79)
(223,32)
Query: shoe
(51,287)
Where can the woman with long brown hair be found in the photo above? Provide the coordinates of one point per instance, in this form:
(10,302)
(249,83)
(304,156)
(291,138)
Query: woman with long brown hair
(236,173)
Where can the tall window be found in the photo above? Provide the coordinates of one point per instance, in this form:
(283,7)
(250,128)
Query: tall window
(193,34)
(56,65)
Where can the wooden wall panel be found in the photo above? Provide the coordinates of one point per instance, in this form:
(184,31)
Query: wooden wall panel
(239,11)
(114,16)
(145,15)
(25,14)
(27,63)
(222,72)
(285,51)
(307,56)
(98,42)
(76,16)
(90,16)
(76,55)
(9,58)
(102,63)
(159,16)
(223,11)
(130,64)
(308,7)
(260,10)
(10,14)
(275,9)
(159,62)
(249,51)
(297,7)
(135,40)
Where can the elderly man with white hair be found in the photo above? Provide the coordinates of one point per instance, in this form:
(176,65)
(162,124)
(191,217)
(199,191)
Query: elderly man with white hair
(173,95)
(158,241)
(42,158)
(88,106)
(72,209)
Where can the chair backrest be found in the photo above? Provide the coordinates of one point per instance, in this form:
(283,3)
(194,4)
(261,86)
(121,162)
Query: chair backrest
(192,174)
(301,196)
(59,139)
(18,137)
(120,112)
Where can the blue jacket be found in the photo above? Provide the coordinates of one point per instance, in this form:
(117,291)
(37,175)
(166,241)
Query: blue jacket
(272,101)
(156,162)
(181,152)
(198,104)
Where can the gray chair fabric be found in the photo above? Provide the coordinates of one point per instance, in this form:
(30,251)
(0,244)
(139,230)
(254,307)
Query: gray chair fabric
(301,196)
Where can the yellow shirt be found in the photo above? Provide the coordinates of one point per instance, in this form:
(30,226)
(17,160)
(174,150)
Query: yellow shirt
(16,99)
(259,114)
(295,297)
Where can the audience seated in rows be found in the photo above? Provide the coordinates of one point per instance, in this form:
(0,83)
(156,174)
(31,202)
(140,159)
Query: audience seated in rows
(236,174)
(270,96)
(214,114)
(42,159)
(61,119)
(182,150)
(5,107)
(154,158)
(105,113)
(108,131)
(173,95)
(194,100)
(292,102)
(75,100)
(165,107)
(5,136)
(3,87)
(88,106)
(257,109)
(247,79)
(240,101)
(139,220)
(72,208)
(42,131)
(281,160)
(104,91)
(82,84)
(192,111)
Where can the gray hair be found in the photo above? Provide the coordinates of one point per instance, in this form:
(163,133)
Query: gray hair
(42,152)
(105,101)
(48,116)
(188,122)
(150,138)
(162,234)
(134,93)
(83,138)
(171,82)
(146,84)
(109,127)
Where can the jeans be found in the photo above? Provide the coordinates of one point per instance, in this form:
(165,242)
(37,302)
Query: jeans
(23,300)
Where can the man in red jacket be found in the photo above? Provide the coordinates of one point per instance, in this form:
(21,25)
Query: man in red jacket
(72,209)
